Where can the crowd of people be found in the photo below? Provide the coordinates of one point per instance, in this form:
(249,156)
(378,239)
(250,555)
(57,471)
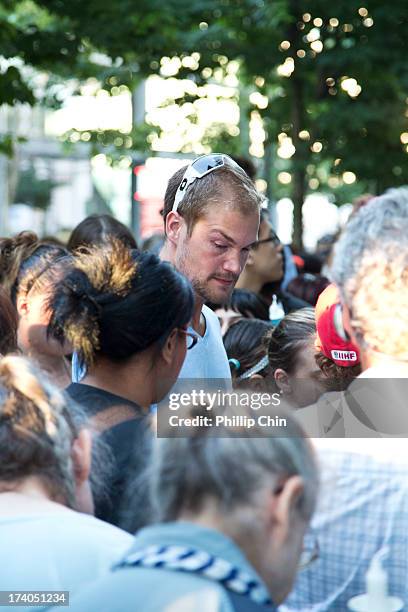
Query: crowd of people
(95,334)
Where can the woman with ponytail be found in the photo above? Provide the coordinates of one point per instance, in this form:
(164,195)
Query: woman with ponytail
(125,314)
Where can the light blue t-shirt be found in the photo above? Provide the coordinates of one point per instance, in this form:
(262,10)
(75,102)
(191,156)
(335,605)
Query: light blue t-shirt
(208,358)
(63,550)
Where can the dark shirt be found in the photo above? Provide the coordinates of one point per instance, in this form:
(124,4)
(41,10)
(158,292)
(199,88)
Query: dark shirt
(124,427)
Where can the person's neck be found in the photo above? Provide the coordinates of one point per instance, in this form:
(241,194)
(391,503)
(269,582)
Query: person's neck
(167,253)
(57,367)
(30,494)
(132,380)
(249,541)
(389,365)
(250,282)
(197,321)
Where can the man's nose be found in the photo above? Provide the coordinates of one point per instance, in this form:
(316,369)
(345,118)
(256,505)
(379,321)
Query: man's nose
(233,264)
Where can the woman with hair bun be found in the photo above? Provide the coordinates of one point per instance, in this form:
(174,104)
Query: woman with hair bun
(27,267)
(45,455)
(125,313)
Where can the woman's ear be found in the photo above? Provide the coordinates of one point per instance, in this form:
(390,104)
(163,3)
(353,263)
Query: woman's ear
(282,381)
(22,306)
(257,382)
(169,348)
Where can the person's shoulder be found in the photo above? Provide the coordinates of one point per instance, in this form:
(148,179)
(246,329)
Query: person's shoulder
(94,529)
(125,590)
(87,394)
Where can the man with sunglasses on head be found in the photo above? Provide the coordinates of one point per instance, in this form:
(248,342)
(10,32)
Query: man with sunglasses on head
(211,220)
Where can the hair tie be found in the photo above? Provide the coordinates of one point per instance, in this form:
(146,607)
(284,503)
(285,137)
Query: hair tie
(256,368)
(235,363)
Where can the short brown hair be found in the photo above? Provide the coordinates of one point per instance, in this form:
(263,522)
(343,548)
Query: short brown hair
(211,189)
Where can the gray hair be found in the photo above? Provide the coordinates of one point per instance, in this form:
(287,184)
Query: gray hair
(371,269)
(231,470)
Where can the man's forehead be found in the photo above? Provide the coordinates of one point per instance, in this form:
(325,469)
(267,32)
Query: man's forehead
(232,224)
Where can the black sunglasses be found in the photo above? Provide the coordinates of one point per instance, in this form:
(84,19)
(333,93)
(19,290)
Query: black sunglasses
(272,238)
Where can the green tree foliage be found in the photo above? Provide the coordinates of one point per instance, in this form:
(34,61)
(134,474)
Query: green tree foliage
(332,78)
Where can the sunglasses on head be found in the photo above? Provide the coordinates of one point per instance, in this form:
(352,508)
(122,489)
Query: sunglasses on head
(197,169)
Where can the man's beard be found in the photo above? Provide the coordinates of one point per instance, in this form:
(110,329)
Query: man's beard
(205,293)
(200,287)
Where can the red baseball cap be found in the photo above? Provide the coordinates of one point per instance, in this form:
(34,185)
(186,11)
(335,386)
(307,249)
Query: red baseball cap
(343,353)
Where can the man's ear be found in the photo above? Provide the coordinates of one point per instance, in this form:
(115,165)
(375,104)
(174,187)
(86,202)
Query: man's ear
(174,224)
(22,305)
(282,381)
(82,456)
(283,505)
(169,347)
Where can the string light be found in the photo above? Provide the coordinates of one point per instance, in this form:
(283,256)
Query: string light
(285,178)
(316,147)
(286,147)
(286,68)
(349,177)
(285,45)
(317,46)
(350,86)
